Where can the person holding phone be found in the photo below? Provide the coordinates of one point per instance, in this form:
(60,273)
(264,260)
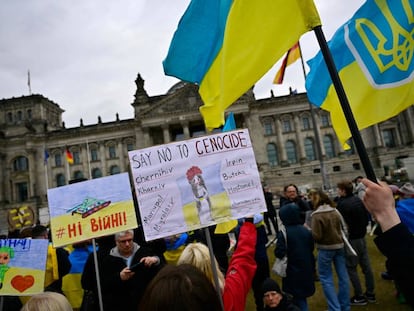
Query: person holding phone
(126,272)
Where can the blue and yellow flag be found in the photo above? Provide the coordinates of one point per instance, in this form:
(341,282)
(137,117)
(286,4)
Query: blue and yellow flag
(373,53)
(227,46)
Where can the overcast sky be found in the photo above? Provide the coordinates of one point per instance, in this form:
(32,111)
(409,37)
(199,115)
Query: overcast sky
(85,54)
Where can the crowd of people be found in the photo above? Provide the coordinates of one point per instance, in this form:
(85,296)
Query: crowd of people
(179,273)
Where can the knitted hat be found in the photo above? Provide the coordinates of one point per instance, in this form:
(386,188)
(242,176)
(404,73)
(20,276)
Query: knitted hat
(407,189)
(270,285)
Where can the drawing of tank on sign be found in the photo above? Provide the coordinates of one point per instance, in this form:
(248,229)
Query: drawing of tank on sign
(89,206)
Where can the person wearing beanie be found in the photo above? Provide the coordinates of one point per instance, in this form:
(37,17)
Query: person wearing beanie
(274,299)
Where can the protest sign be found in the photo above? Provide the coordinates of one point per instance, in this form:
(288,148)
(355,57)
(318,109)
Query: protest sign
(91,209)
(22,266)
(192,184)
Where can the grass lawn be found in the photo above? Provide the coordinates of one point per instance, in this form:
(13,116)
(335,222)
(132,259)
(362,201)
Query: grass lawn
(385,291)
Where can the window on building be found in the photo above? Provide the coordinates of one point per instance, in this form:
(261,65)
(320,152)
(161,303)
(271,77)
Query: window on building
(78,175)
(58,159)
(22,191)
(351,150)
(291,152)
(29,114)
(21,164)
(356,166)
(306,124)
(272,155)
(94,155)
(76,157)
(112,152)
(60,180)
(310,149)
(114,170)
(329,146)
(9,117)
(198,133)
(96,173)
(325,120)
(268,127)
(287,126)
(19,115)
(336,168)
(388,136)
(130,146)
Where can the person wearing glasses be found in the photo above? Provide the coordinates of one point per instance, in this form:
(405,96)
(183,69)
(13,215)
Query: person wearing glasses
(126,272)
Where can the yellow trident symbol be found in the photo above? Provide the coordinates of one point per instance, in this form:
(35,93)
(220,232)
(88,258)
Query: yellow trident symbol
(401,52)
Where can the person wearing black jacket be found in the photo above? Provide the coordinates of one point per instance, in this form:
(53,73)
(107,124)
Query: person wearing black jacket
(274,299)
(356,218)
(126,272)
(395,241)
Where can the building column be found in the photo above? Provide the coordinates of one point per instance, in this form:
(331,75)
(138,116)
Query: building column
(318,132)
(281,144)
(166,133)
(102,151)
(377,136)
(186,130)
(86,163)
(121,155)
(408,114)
(299,140)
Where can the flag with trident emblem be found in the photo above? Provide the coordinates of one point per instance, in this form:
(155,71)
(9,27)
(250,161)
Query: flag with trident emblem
(373,53)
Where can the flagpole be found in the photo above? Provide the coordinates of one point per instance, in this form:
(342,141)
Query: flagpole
(89,160)
(46,163)
(346,108)
(67,170)
(325,178)
(28,82)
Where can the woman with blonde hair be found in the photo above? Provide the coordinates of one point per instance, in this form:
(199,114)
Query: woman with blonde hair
(235,286)
(47,301)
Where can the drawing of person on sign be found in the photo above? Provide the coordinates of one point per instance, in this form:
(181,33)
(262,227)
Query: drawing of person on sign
(201,195)
(6,253)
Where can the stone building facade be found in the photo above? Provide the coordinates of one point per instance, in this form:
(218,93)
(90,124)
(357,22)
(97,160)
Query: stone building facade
(34,140)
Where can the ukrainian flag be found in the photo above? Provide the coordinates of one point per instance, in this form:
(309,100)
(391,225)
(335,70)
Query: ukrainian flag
(226,46)
(373,53)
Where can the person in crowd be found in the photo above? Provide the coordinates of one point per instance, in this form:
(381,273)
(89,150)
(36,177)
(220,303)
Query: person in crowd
(126,272)
(326,231)
(242,267)
(47,301)
(291,195)
(59,256)
(88,278)
(71,283)
(270,216)
(274,299)
(175,245)
(299,281)
(359,187)
(395,241)
(262,261)
(356,218)
(405,205)
(183,287)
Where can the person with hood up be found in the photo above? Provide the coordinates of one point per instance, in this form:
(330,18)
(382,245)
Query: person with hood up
(299,281)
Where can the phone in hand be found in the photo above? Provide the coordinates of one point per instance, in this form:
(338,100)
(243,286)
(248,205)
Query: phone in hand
(136,266)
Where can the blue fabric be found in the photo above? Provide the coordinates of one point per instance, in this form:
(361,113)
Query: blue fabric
(336,301)
(197,40)
(405,209)
(230,123)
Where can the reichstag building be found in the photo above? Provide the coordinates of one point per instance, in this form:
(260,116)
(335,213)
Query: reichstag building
(288,147)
